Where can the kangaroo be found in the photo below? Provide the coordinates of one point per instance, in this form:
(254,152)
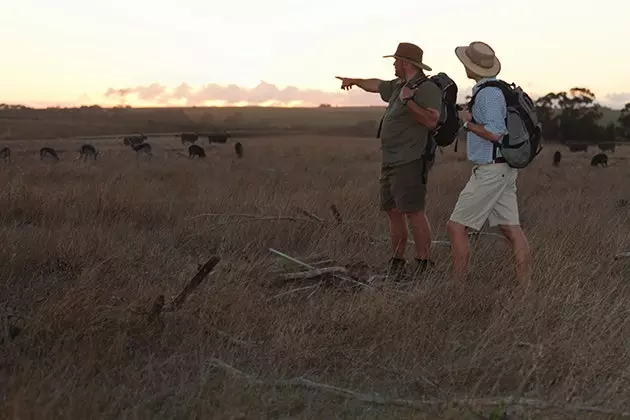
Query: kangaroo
(134,140)
(142,148)
(88,150)
(600,159)
(195,150)
(5,154)
(218,138)
(47,152)
(556,158)
(238,148)
(189,137)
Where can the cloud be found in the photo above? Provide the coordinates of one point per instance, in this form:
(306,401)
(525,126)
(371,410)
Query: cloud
(263,94)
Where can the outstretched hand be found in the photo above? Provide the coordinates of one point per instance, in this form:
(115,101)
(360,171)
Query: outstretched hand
(346,82)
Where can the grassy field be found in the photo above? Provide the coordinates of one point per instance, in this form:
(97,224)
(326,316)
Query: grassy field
(88,246)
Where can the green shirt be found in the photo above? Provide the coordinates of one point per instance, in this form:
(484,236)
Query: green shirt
(403,139)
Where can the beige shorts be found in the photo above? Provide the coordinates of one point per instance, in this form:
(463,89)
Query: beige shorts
(490,194)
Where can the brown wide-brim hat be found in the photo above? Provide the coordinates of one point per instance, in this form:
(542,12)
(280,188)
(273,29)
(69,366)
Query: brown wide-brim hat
(479,58)
(411,53)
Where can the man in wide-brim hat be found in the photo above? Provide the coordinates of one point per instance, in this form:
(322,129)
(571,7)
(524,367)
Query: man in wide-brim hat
(407,147)
(490,194)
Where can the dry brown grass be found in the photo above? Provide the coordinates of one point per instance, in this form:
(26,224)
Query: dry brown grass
(86,245)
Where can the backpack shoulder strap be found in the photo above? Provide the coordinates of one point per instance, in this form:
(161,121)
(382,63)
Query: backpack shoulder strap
(505,88)
(417,83)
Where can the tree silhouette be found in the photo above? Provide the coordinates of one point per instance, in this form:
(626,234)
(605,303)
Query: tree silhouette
(624,123)
(570,116)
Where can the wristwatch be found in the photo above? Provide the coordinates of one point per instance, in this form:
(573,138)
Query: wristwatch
(465,125)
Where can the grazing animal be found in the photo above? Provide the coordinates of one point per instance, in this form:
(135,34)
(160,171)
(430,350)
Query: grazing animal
(599,159)
(195,150)
(142,148)
(238,148)
(134,140)
(88,150)
(578,147)
(556,158)
(607,147)
(47,152)
(189,137)
(218,138)
(5,154)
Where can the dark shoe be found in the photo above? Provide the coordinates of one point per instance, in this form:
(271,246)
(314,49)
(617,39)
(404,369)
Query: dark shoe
(420,266)
(396,268)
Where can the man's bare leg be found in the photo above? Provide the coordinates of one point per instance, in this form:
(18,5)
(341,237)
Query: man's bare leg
(459,249)
(520,248)
(421,232)
(397,232)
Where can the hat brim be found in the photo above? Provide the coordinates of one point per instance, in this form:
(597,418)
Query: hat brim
(460,52)
(421,65)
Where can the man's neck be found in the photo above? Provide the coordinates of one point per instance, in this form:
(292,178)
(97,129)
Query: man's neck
(407,77)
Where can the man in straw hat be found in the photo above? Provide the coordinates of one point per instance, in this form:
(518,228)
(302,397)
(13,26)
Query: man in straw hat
(490,193)
(407,147)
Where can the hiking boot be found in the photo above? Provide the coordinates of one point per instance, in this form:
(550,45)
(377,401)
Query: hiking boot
(421,266)
(396,268)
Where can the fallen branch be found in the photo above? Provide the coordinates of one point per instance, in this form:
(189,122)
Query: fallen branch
(316,272)
(195,282)
(303,264)
(415,404)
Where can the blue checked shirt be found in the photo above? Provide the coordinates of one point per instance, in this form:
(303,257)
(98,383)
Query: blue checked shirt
(490,111)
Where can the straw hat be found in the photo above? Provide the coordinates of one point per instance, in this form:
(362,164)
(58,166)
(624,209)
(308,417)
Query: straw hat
(411,53)
(479,58)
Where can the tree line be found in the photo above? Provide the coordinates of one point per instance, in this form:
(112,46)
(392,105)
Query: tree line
(574,117)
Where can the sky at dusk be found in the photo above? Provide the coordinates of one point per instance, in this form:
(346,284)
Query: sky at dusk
(288,52)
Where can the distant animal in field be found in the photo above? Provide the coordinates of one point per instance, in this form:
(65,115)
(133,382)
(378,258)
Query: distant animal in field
(557,156)
(599,159)
(87,150)
(606,147)
(142,148)
(134,140)
(47,152)
(218,138)
(238,148)
(5,154)
(189,137)
(195,150)
(578,147)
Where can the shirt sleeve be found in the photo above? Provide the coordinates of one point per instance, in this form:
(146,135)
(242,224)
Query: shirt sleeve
(492,109)
(429,95)
(386,89)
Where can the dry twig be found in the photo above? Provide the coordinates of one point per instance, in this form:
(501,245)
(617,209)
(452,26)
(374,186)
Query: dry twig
(622,255)
(308,214)
(316,272)
(195,282)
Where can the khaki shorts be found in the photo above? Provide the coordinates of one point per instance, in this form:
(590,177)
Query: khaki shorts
(404,187)
(490,194)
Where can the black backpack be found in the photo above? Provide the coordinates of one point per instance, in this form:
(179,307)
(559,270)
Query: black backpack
(449,124)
